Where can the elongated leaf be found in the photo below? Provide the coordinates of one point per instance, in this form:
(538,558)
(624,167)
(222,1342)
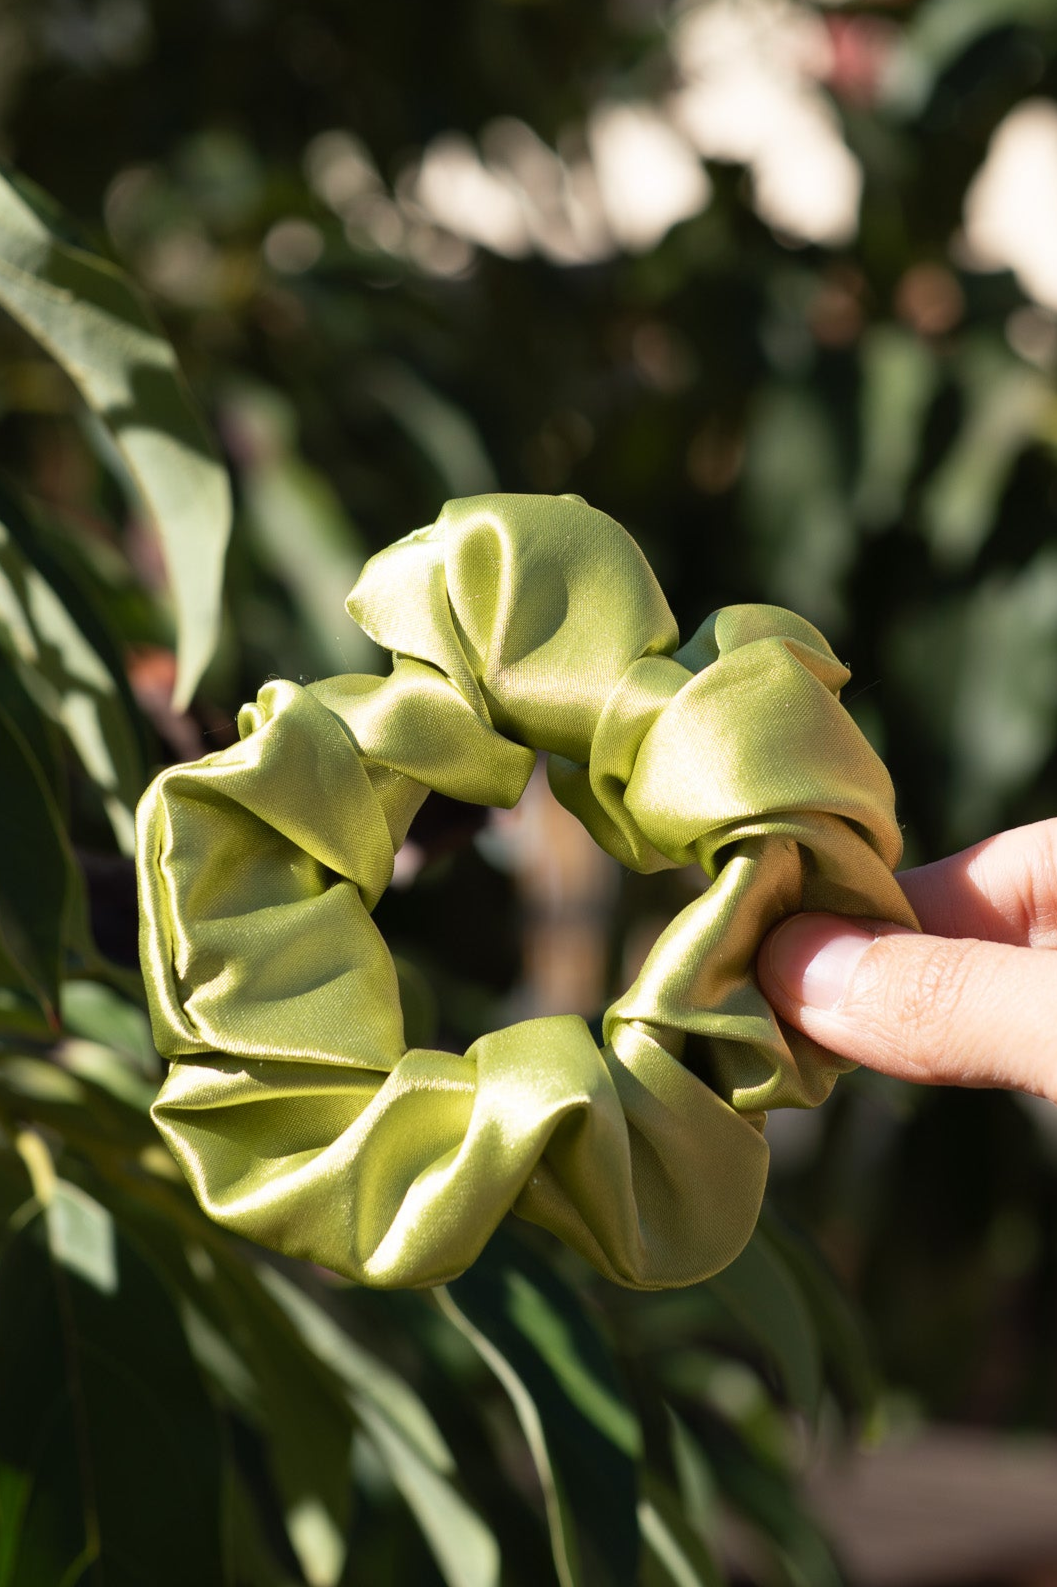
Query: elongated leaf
(766,1497)
(445,435)
(98,1014)
(534,1334)
(301,529)
(1005,407)
(697,1485)
(797,513)
(52,639)
(304,537)
(251,1559)
(461,1544)
(245,1344)
(674,1556)
(762,1293)
(362,1372)
(305,1419)
(42,736)
(109,1455)
(88,316)
(406,1440)
(940,31)
(991,658)
(36,877)
(16,1199)
(97,1118)
(840,1331)
(900,376)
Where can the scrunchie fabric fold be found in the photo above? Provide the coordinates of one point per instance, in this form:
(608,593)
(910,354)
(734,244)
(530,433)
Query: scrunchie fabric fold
(518,625)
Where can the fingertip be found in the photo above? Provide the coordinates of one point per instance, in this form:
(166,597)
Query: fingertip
(941,1010)
(809,961)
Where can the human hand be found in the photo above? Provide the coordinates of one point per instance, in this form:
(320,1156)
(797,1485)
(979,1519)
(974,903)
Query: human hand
(972,1003)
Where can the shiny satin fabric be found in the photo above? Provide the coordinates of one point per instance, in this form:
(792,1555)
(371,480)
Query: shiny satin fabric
(518,624)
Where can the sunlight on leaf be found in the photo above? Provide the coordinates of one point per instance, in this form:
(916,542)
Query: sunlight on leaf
(63,672)
(530,1329)
(88,316)
(406,1439)
(676,1557)
(98,1398)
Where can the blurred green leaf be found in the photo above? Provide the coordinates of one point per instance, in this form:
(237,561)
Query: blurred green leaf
(697,1486)
(785,1534)
(461,1542)
(803,537)
(52,639)
(762,1293)
(940,32)
(846,1350)
(111,1077)
(303,534)
(98,1014)
(99,1110)
(88,316)
(405,1438)
(673,1554)
(81,1237)
(303,1416)
(109,1455)
(26,1082)
(16,1199)
(246,1345)
(445,434)
(251,1560)
(1006,402)
(989,662)
(359,1369)
(36,875)
(1005,721)
(41,736)
(899,380)
(537,1338)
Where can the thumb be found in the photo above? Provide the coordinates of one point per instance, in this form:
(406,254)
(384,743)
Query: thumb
(949,1011)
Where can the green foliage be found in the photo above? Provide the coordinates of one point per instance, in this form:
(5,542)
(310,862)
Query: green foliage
(88,316)
(99,1399)
(583,1436)
(34,900)
(67,665)
(863,430)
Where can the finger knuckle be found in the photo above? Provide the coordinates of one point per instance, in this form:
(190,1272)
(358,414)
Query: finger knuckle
(1039,889)
(922,997)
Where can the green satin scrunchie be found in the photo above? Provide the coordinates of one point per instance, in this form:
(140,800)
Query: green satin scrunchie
(518,624)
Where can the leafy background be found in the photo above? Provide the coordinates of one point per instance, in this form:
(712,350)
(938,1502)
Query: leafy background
(843,412)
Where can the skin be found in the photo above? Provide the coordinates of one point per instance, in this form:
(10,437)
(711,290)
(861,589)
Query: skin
(971,1002)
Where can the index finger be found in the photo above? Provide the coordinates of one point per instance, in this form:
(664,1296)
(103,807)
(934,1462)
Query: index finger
(1001,890)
